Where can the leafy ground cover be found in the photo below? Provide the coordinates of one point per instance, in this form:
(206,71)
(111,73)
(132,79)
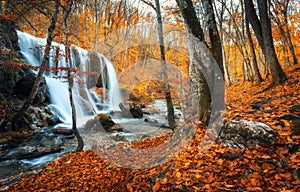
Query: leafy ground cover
(265,168)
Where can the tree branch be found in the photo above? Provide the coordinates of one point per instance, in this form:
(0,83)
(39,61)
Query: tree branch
(150,4)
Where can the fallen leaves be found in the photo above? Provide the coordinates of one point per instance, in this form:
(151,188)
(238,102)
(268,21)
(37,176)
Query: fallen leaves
(265,168)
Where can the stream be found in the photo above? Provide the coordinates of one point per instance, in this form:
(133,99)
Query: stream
(27,155)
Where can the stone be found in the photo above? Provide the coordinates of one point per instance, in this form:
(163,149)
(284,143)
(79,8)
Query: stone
(9,74)
(243,133)
(37,147)
(62,131)
(23,87)
(134,111)
(102,122)
(53,120)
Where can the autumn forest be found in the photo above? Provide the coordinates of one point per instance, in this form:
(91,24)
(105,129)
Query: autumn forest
(149,95)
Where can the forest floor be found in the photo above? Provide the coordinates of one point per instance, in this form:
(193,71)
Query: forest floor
(265,168)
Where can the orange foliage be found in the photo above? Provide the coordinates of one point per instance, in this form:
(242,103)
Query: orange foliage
(267,168)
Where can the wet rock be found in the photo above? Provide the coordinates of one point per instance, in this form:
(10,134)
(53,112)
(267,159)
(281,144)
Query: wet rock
(151,120)
(36,147)
(62,131)
(23,87)
(134,111)
(53,120)
(9,76)
(125,110)
(38,117)
(102,122)
(243,133)
(11,167)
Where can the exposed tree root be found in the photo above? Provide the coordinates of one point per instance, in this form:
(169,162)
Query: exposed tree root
(272,85)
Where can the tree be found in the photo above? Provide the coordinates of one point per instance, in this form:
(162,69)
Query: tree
(263,31)
(252,50)
(215,41)
(19,115)
(168,97)
(67,11)
(280,17)
(206,78)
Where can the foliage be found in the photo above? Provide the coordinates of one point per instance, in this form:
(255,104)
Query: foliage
(266,168)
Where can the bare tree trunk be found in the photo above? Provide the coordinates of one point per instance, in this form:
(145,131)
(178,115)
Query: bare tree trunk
(80,142)
(216,45)
(290,44)
(199,83)
(252,50)
(96,7)
(18,116)
(282,24)
(263,32)
(168,97)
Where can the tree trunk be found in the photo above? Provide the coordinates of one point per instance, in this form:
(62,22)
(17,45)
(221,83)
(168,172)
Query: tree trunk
(206,75)
(215,41)
(168,97)
(277,73)
(80,142)
(18,116)
(263,32)
(252,50)
(199,83)
(289,41)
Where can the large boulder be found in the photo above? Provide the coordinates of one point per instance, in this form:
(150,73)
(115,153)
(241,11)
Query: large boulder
(243,133)
(102,122)
(10,73)
(134,111)
(24,86)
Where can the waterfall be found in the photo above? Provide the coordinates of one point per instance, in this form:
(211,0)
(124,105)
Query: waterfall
(113,83)
(86,100)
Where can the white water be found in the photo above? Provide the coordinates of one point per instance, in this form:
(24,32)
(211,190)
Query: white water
(85,104)
(114,90)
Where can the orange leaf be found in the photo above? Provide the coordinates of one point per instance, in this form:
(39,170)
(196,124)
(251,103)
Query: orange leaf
(156,186)
(178,174)
(164,181)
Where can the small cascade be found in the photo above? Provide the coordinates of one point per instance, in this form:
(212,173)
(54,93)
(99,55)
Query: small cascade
(113,83)
(86,100)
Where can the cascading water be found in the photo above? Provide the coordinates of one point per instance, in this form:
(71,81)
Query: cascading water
(113,84)
(85,99)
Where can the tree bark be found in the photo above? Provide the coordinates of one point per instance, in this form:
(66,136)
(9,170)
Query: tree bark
(215,41)
(252,50)
(205,73)
(198,81)
(276,70)
(263,32)
(168,97)
(80,142)
(18,116)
